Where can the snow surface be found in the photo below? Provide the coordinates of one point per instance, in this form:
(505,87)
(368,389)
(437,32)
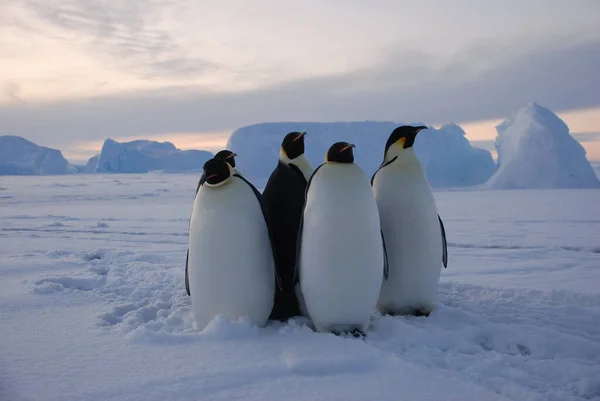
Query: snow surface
(448,157)
(142,156)
(18,156)
(93,305)
(535,150)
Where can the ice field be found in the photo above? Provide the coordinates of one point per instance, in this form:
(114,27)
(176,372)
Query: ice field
(93,305)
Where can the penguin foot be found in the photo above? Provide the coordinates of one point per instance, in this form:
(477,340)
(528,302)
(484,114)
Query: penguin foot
(409,312)
(356,333)
(421,312)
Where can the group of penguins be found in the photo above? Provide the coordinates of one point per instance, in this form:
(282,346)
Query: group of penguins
(326,243)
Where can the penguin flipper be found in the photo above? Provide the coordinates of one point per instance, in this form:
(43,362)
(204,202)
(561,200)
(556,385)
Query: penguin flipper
(296,278)
(264,212)
(386,265)
(301,226)
(200,182)
(187,256)
(383,164)
(444,243)
(187,280)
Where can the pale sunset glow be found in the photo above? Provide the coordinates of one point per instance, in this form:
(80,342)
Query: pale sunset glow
(73,73)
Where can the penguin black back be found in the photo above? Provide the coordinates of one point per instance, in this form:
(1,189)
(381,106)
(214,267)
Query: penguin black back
(283,197)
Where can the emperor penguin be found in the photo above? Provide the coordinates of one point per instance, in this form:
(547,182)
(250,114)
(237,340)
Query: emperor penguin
(231,261)
(412,228)
(284,198)
(229,157)
(341,255)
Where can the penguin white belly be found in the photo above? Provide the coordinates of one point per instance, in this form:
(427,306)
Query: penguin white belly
(341,259)
(413,238)
(231,266)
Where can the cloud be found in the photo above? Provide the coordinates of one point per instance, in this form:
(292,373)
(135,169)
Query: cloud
(122,34)
(484,81)
(11,93)
(487,144)
(586,136)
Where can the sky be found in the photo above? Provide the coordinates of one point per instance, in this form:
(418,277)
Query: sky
(74,72)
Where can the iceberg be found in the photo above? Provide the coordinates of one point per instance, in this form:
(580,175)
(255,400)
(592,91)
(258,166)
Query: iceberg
(446,154)
(18,156)
(142,156)
(536,150)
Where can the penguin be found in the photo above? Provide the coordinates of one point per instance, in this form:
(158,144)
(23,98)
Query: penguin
(229,157)
(231,259)
(413,230)
(341,254)
(284,198)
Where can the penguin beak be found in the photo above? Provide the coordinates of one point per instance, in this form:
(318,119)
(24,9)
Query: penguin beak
(299,136)
(211,176)
(347,147)
(418,129)
(231,155)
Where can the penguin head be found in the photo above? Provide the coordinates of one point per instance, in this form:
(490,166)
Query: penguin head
(227,155)
(402,138)
(340,152)
(293,145)
(217,172)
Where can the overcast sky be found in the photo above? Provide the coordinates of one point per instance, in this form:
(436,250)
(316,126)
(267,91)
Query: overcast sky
(73,72)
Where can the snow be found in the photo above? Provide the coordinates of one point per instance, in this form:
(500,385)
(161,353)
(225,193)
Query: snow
(18,156)
(446,153)
(142,156)
(93,305)
(536,150)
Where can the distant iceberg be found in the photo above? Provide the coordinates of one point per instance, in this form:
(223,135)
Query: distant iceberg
(536,150)
(448,157)
(18,156)
(91,165)
(143,156)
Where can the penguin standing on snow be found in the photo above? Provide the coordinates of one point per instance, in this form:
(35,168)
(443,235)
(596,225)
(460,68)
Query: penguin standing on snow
(229,157)
(231,261)
(284,198)
(341,253)
(413,230)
